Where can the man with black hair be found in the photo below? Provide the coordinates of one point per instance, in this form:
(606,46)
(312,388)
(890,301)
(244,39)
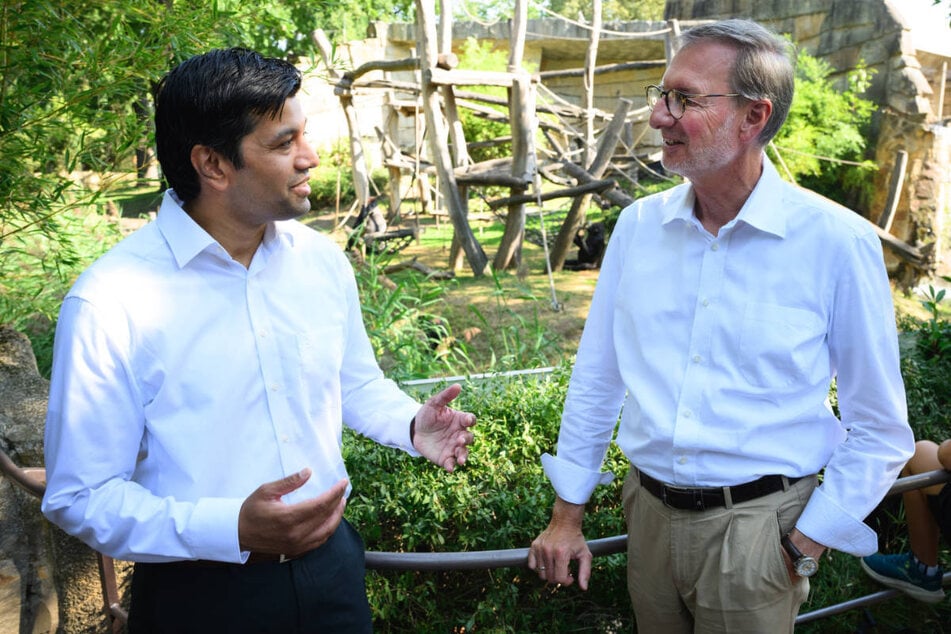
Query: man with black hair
(203,369)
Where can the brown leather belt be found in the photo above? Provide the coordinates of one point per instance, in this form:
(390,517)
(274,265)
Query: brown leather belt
(702,498)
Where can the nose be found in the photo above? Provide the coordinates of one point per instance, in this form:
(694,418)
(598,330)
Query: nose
(660,116)
(308,156)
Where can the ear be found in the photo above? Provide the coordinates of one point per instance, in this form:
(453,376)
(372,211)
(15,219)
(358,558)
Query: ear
(757,114)
(212,168)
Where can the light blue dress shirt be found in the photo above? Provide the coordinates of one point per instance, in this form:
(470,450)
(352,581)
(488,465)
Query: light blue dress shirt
(721,350)
(182,381)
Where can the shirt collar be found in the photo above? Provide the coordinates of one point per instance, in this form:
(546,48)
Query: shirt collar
(763,209)
(187,239)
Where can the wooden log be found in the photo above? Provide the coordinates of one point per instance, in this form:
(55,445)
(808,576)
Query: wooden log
(358,159)
(325,48)
(894,190)
(921,258)
(578,211)
(348,78)
(523,169)
(603,70)
(426,36)
(615,195)
(463,77)
(416,265)
(577,190)
(590,61)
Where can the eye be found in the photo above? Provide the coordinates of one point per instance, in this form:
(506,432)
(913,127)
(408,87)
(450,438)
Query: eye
(682,99)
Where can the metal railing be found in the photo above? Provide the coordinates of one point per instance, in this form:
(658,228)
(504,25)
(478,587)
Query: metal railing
(33,480)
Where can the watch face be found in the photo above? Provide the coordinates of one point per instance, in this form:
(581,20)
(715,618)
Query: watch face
(806,566)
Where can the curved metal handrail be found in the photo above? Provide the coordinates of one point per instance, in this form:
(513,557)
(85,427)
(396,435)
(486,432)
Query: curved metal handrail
(604,546)
(33,481)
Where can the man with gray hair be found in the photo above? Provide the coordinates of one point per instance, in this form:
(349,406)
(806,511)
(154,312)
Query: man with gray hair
(724,309)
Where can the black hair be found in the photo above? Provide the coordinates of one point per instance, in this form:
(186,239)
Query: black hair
(216,99)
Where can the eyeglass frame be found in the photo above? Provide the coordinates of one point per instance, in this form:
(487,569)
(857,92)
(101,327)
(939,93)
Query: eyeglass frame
(683,97)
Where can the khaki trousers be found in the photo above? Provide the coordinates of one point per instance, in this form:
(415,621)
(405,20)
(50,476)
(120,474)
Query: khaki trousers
(718,570)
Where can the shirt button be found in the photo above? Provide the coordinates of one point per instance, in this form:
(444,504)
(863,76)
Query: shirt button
(705,303)
(262,333)
(697,358)
(687,413)
(682,460)
(275,387)
(715,246)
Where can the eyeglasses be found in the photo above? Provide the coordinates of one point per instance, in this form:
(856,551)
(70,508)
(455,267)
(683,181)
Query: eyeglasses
(678,106)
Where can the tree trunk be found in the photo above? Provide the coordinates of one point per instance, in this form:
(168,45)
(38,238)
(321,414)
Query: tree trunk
(576,215)
(426,36)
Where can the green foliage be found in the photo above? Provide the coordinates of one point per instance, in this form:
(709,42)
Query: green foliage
(74,100)
(499,500)
(32,285)
(823,141)
(334,177)
(410,339)
(926,367)
(520,342)
(480,55)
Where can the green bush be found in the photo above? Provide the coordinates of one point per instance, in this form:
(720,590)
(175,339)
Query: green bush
(499,500)
(332,180)
(409,336)
(33,284)
(926,368)
(824,139)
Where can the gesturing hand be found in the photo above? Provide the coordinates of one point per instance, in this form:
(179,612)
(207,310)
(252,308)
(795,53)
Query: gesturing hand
(442,434)
(267,525)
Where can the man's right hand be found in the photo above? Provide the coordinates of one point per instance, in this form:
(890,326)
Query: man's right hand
(267,525)
(552,552)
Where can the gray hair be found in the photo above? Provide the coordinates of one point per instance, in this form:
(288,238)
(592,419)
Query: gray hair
(764,67)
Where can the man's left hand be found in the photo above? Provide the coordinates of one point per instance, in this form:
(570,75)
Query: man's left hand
(442,434)
(806,546)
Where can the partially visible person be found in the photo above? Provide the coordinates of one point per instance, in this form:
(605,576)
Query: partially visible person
(724,309)
(204,367)
(917,572)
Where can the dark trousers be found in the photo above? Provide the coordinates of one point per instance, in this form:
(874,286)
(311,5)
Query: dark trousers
(320,592)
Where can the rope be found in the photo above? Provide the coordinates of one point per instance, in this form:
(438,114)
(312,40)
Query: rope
(582,25)
(816,156)
(537,190)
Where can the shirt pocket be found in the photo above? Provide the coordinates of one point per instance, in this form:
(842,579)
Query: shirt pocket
(320,349)
(782,346)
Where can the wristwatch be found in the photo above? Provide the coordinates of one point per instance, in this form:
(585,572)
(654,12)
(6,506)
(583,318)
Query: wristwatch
(804,565)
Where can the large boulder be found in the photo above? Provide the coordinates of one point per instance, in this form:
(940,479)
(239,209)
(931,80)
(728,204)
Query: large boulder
(49,581)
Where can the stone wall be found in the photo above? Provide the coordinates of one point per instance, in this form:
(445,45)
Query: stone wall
(49,582)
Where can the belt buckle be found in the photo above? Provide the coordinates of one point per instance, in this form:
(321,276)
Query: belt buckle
(282,558)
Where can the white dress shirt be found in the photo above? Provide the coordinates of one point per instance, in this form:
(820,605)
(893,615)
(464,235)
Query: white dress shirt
(721,350)
(182,381)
